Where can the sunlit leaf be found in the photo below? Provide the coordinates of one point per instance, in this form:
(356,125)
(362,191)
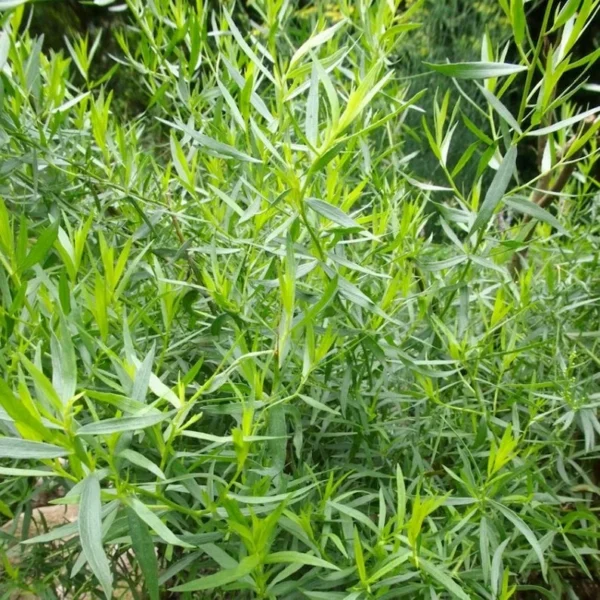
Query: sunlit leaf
(476,70)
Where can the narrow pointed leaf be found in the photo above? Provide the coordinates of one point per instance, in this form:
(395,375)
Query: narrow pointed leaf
(565,122)
(497,189)
(315,41)
(333,213)
(527,207)
(90,533)
(121,424)
(224,577)
(143,546)
(444,579)
(154,522)
(19,449)
(476,70)
(64,363)
(40,249)
(299,558)
(141,461)
(525,530)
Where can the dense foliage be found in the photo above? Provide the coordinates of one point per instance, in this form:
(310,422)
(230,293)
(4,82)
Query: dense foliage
(263,353)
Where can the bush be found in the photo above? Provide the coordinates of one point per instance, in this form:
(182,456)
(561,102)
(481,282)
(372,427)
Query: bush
(261,354)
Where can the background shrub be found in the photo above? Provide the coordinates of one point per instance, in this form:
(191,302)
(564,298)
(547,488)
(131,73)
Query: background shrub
(283,323)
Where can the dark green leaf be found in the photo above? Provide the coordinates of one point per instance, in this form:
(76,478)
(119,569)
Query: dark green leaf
(143,546)
(40,249)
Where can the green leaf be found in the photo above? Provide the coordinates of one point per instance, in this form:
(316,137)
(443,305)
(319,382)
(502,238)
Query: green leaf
(120,424)
(22,414)
(476,70)
(359,557)
(256,101)
(525,530)
(154,522)
(448,263)
(298,558)
(142,377)
(330,91)
(500,108)
(318,405)
(484,549)
(228,200)
(497,189)
(517,13)
(354,514)
(564,123)
(4,48)
(233,107)
(312,110)
(325,158)
(90,532)
(404,555)
(143,547)
(239,38)
(401,498)
(359,99)
(353,293)
(160,390)
(277,429)
(8,4)
(225,577)
(70,103)
(444,579)
(64,363)
(220,148)
(219,556)
(69,530)
(40,249)
(19,449)
(43,386)
(333,213)
(141,461)
(496,570)
(567,11)
(123,403)
(58,533)
(427,187)
(315,41)
(527,207)
(14,472)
